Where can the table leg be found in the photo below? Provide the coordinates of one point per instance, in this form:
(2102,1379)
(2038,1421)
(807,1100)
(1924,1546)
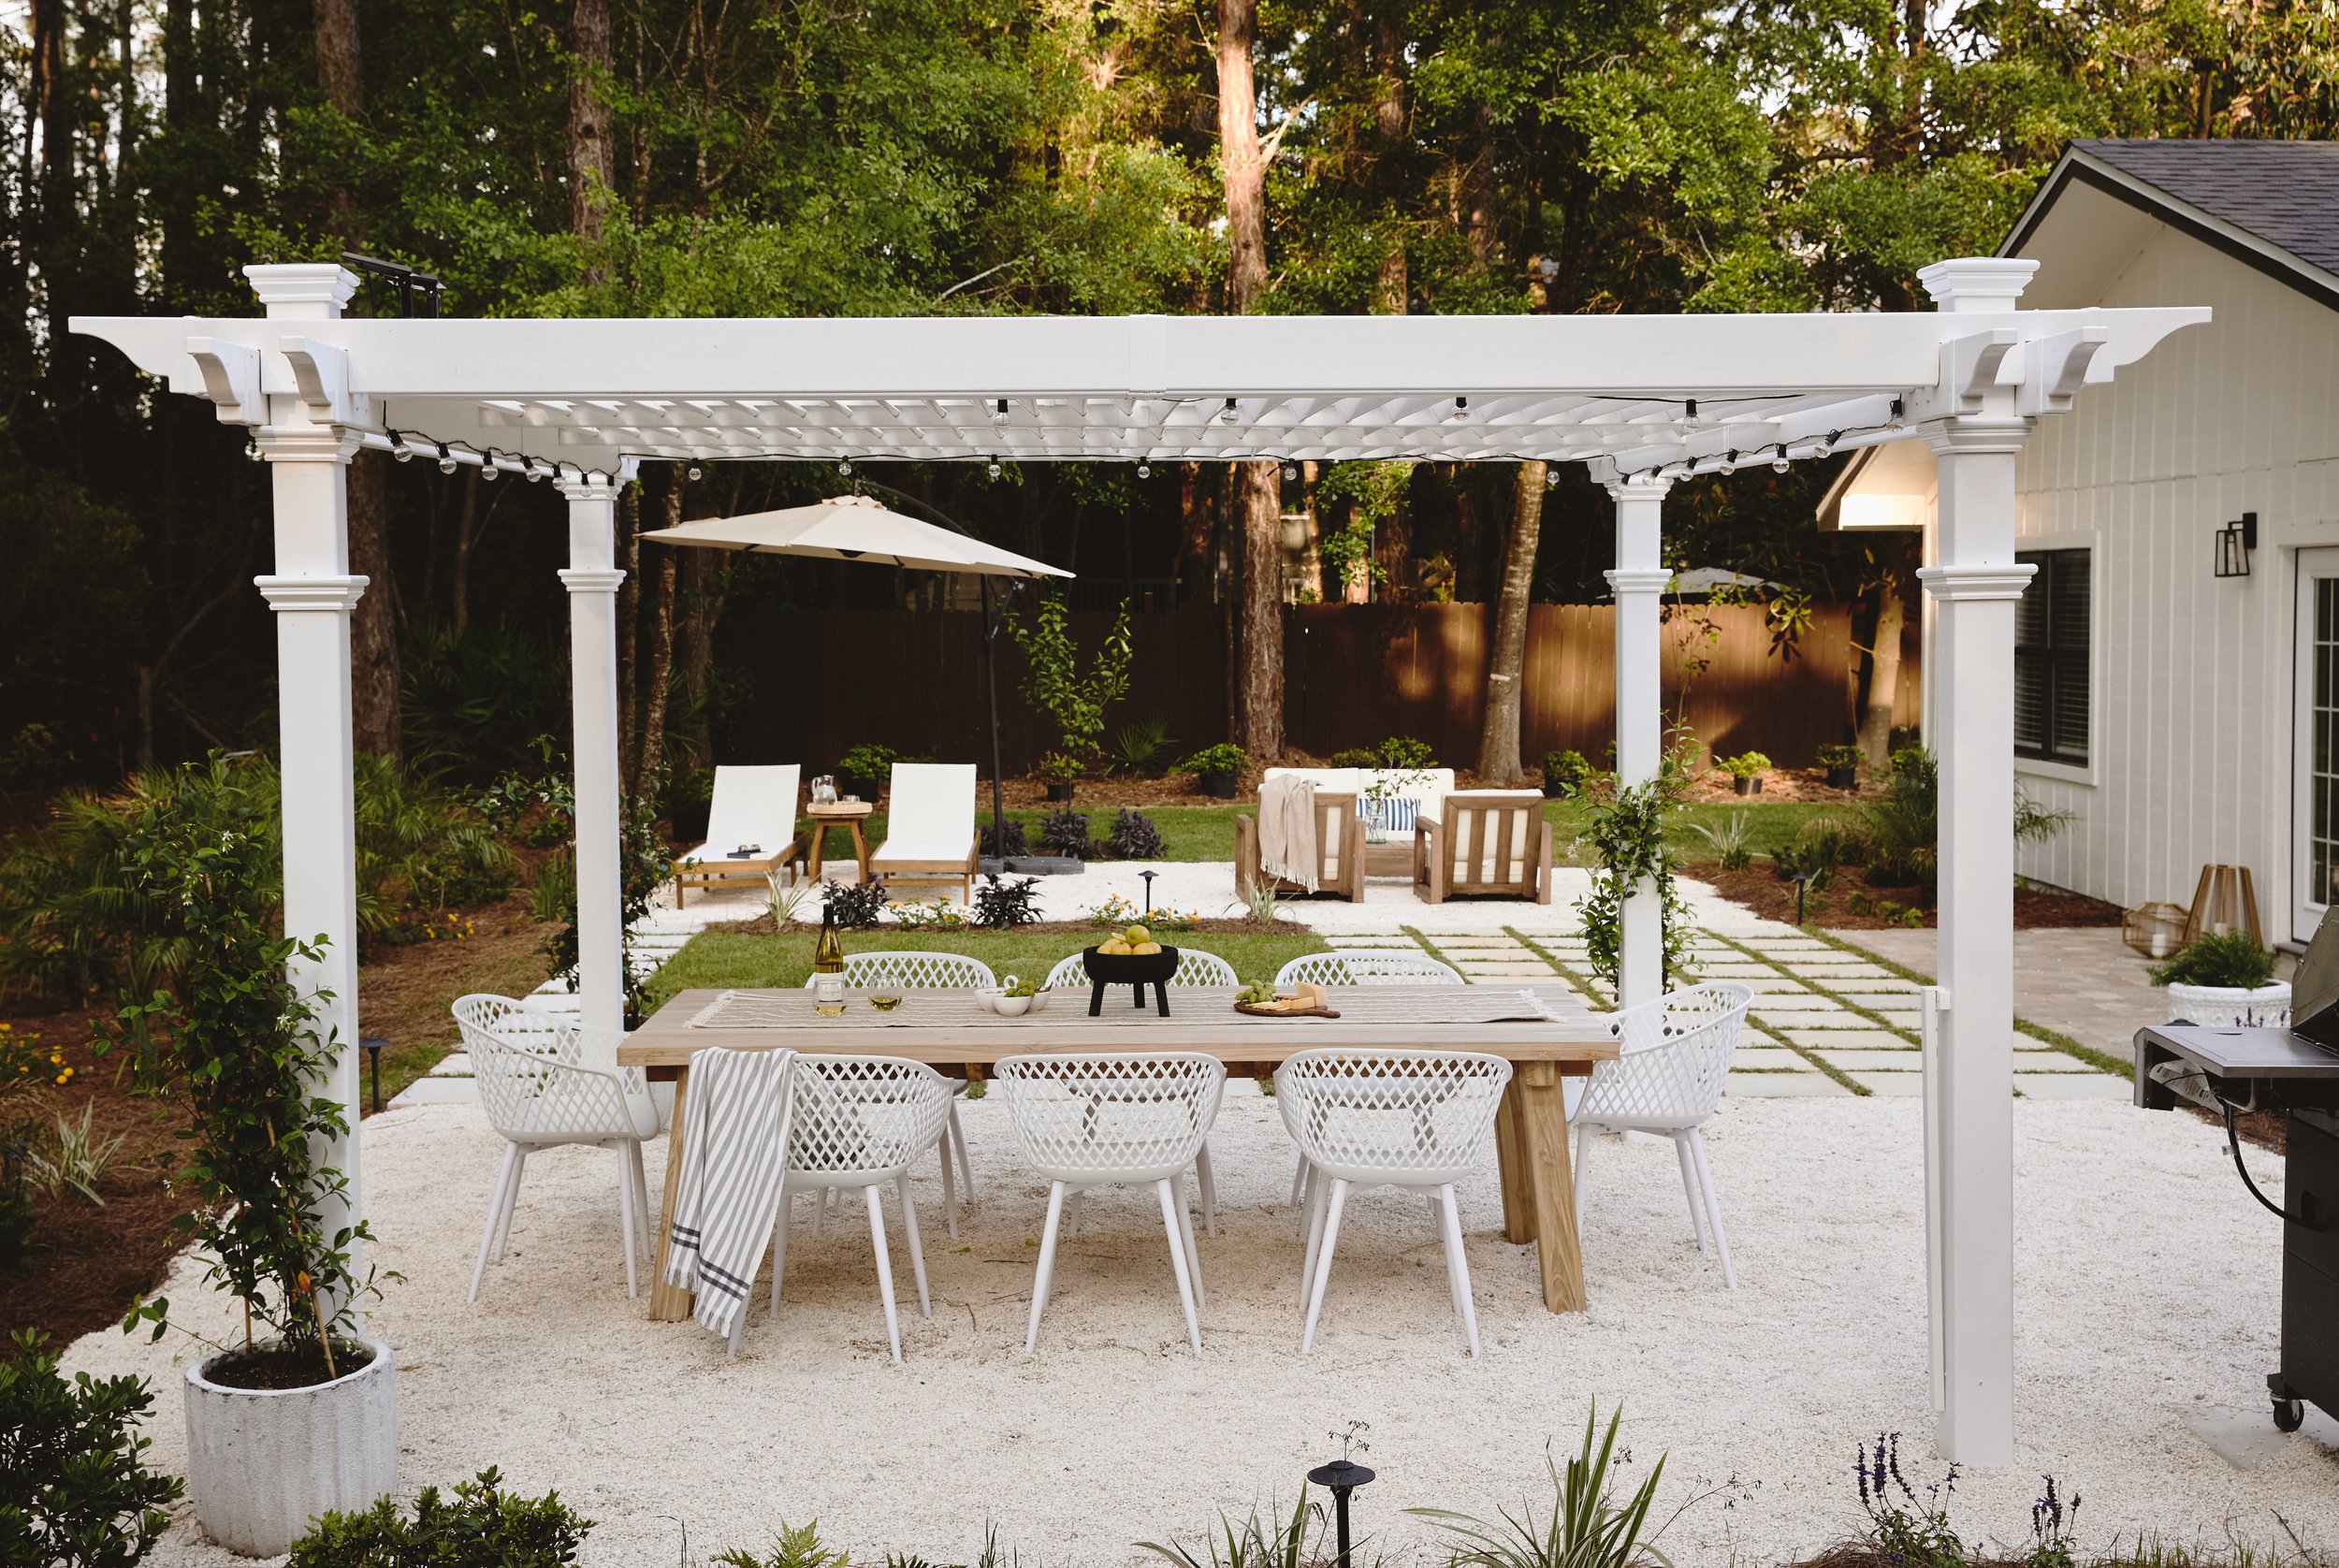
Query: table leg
(670,1303)
(820,842)
(1519,1214)
(860,850)
(1543,1144)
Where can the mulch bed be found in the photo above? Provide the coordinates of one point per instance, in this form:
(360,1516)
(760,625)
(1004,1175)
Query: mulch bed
(1759,887)
(764,925)
(1797,784)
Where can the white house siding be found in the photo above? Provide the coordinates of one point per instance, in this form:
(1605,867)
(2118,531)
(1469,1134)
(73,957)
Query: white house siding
(2191,747)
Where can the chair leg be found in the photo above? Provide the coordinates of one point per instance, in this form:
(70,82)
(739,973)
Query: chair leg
(819,1208)
(965,1162)
(1308,1185)
(1324,1262)
(884,1267)
(1713,1207)
(1072,1211)
(495,1213)
(1193,1253)
(1437,1218)
(1210,1188)
(1047,1264)
(779,1245)
(1174,1219)
(1457,1267)
(1583,1152)
(1690,1185)
(641,1203)
(949,1182)
(625,1221)
(511,1199)
(1319,1191)
(917,1252)
(1298,1179)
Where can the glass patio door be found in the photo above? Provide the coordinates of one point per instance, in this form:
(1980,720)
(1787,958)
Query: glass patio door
(2315,778)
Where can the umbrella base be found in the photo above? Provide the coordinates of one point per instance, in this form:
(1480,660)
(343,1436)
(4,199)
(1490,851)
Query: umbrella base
(1032,865)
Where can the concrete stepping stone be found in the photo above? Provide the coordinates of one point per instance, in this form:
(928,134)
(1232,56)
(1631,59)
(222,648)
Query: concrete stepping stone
(2072,1086)
(1782,1085)
(1850,1039)
(1906,1086)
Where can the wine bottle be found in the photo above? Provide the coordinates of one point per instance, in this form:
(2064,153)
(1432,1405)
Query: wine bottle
(828,957)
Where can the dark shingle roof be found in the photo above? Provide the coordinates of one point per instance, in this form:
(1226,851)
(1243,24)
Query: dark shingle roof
(2285,193)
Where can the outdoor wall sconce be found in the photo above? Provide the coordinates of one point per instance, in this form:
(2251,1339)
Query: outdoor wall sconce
(2236,542)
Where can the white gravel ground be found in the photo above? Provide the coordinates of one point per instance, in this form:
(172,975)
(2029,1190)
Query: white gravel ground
(2148,1293)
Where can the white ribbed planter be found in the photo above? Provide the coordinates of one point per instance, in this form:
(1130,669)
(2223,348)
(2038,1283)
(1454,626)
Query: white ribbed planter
(2231,1006)
(262,1464)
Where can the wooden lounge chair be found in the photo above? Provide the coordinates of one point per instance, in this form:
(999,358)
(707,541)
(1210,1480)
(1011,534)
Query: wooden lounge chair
(752,806)
(1339,849)
(1484,842)
(930,826)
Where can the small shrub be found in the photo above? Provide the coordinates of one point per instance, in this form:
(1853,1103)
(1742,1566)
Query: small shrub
(1588,1528)
(1016,842)
(1565,769)
(1746,764)
(1224,757)
(1057,768)
(867,760)
(76,1159)
(2227,958)
(792,1547)
(1143,746)
(1135,837)
(1065,833)
(1354,757)
(75,1492)
(1002,905)
(1403,752)
(481,1524)
(1731,840)
(1840,756)
(1818,852)
(855,906)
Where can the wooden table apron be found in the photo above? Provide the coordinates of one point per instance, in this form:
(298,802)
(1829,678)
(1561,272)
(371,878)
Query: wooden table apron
(1530,1130)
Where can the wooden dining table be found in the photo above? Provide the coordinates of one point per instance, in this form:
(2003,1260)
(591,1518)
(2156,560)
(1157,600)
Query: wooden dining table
(1546,1033)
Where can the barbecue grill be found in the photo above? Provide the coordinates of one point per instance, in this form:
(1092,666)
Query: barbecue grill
(2295,1071)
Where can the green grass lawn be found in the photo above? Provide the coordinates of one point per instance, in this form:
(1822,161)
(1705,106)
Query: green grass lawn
(723,959)
(1207,832)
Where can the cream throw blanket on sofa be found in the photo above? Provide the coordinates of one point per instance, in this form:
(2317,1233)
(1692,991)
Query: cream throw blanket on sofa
(1287,831)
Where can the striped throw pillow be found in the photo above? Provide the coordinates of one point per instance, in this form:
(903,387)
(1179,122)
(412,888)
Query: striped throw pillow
(1396,811)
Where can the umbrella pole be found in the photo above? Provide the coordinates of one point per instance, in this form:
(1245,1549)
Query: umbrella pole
(990,694)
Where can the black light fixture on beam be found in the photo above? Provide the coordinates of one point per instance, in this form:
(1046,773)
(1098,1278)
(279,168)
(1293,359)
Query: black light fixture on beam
(2236,543)
(417,291)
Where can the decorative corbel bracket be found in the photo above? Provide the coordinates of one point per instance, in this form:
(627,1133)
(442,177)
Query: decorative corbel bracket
(2056,368)
(231,379)
(321,376)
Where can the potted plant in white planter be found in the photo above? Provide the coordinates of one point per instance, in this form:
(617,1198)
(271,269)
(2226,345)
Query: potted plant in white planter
(299,1415)
(2225,980)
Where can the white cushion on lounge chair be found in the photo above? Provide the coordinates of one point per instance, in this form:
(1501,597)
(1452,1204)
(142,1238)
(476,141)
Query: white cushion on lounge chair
(930,813)
(752,805)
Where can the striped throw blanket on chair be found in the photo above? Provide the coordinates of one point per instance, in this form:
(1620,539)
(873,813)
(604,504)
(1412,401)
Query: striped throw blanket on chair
(727,1194)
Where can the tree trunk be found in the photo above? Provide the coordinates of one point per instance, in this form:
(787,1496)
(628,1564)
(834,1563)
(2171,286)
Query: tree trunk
(1259,718)
(1393,286)
(466,537)
(374,722)
(1497,741)
(701,605)
(660,673)
(1195,526)
(591,148)
(1882,665)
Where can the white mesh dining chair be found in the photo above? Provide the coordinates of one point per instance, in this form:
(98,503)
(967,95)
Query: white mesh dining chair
(1087,1121)
(1415,1120)
(1360,966)
(1673,1059)
(1195,967)
(545,1080)
(860,1123)
(1368,966)
(909,966)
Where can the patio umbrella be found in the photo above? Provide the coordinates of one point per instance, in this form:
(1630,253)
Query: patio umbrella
(861,527)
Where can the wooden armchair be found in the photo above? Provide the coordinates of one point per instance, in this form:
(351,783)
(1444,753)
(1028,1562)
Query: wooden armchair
(1484,842)
(1339,849)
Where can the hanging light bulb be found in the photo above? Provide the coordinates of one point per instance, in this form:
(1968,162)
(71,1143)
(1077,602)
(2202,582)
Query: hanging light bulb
(398,449)
(1225,411)
(1892,421)
(1826,447)
(252,450)
(992,467)
(487,467)
(1689,411)
(998,409)
(1290,473)
(1461,411)
(1145,471)
(1778,462)
(528,470)
(1730,461)
(1550,476)
(446,459)
(844,466)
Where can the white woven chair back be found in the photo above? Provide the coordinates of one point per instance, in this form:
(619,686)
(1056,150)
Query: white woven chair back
(1416,1117)
(538,1079)
(1368,966)
(753,806)
(908,966)
(1674,1059)
(1195,967)
(859,1119)
(1120,1117)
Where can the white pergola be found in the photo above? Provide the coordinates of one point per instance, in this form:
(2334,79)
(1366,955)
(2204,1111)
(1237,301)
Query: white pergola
(1641,400)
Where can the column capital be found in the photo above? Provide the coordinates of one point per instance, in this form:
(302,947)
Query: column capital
(586,579)
(1952,584)
(1978,433)
(581,485)
(1637,488)
(302,291)
(307,443)
(1638,579)
(1969,283)
(337,595)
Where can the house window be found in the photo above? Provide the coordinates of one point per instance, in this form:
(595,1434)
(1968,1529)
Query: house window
(2050,658)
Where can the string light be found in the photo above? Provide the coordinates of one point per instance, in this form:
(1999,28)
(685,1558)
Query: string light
(1461,411)
(1778,462)
(1225,411)
(844,466)
(1892,421)
(398,449)
(1689,413)
(1730,461)
(528,471)
(487,465)
(1145,471)
(1826,447)
(446,459)
(998,409)
(695,473)
(992,467)
(1290,473)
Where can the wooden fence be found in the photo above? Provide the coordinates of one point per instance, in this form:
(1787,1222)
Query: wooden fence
(816,681)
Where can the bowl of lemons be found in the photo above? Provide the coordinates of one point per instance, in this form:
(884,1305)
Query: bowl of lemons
(1130,956)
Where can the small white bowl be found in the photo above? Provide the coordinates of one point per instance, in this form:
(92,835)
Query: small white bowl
(1005,1004)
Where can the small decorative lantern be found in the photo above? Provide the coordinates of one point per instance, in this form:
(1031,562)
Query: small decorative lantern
(2236,541)
(2155,930)
(1341,1477)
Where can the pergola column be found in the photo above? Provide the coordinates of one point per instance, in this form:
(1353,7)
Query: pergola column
(1974,584)
(312,594)
(592,580)
(1638,583)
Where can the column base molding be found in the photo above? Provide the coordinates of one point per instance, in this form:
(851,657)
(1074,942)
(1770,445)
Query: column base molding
(1948,584)
(586,579)
(337,594)
(1623,580)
